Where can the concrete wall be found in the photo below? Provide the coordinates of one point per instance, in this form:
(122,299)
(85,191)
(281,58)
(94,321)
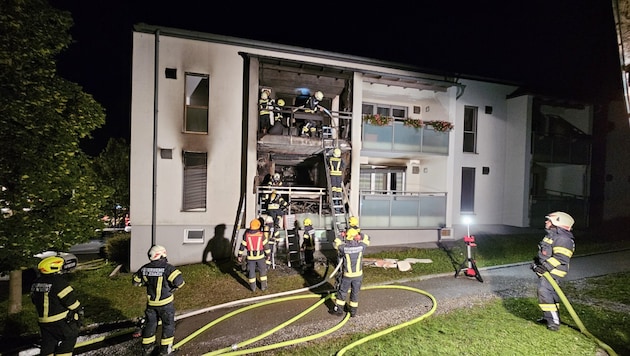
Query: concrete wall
(492,148)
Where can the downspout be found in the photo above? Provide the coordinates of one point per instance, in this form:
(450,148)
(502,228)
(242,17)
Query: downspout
(155,135)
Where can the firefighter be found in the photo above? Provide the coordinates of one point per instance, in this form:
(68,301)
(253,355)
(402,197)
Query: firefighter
(554,253)
(58,310)
(276,208)
(265,111)
(312,106)
(271,234)
(351,252)
(161,279)
(278,125)
(275,180)
(258,252)
(308,246)
(336,169)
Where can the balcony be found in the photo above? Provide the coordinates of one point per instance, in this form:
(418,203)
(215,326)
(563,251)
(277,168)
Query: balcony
(402,210)
(395,137)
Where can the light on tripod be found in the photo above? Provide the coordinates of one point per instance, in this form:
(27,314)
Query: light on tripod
(469,266)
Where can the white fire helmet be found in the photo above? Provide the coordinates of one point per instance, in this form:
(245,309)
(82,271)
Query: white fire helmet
(156,252)
(561,219)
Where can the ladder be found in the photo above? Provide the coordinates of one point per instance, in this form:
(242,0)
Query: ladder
(337,207)
(327,137)
(240,215)
(292,240)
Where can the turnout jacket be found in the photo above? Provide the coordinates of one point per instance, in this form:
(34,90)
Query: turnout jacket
(256,244)
(161,279)
(53,298)
(352,254)
(336,166)
(308,242)
(555,251)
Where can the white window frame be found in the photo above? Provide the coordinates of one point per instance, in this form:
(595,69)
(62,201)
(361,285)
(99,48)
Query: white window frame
(194,240)
(471,115)
(196,103)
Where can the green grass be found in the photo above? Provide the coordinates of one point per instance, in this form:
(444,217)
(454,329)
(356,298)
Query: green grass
(500,327)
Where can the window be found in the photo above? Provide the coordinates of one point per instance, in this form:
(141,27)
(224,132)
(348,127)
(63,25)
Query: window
(195,236)
(197,100)
(468,190)
(395,112)
(382,180)
(195,179)
(470,129)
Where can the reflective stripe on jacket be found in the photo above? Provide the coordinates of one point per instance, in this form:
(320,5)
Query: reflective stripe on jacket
(352,253)
(256,244)
(53,298)
(160,278)
(555,251)
(335,166)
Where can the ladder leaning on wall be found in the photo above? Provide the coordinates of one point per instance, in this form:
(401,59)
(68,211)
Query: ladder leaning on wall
(338,211)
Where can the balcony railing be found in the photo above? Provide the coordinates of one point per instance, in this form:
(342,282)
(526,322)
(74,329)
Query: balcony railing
(399,138)
(404,210)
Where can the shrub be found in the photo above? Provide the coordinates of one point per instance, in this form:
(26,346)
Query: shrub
(118,249)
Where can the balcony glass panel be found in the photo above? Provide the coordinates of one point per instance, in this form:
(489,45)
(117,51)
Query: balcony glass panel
(434,141)
(397,137)
(375,210)
(406,138)
(404,210)
(377,137)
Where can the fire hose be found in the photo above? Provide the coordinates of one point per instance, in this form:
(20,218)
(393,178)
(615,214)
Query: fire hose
(574,315)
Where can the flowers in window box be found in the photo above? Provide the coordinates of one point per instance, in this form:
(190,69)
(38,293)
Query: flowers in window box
(440,126)
(415,123)
(377,120)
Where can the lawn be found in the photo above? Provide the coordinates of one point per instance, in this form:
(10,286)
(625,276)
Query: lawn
(110,299)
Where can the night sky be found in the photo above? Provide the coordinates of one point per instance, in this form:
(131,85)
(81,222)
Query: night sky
(559,48)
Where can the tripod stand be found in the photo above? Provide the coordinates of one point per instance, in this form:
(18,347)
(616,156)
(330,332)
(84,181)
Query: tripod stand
(469,266)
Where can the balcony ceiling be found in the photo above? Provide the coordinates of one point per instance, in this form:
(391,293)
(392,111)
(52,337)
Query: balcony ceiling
(287,78)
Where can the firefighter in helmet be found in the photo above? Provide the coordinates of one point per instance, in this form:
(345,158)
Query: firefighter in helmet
(161,279)
(271,234)
(265,111)
(256,248)
(554,253)
(312,105)
(336,166)
(351,251)
(276,207)
(58,310)
(308,246)
(278,125)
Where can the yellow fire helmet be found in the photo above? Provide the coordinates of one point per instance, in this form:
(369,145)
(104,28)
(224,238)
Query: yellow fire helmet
(52,264)
(351,234)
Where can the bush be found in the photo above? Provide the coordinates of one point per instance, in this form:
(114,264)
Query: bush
(118,249)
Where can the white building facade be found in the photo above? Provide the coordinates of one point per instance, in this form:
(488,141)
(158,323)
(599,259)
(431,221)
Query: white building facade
(198,155)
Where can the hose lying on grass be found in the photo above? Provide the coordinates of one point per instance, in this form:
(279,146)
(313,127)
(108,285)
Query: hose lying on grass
(574,315)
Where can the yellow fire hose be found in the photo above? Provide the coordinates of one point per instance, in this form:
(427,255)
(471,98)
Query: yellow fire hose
(574,315)
(234,349)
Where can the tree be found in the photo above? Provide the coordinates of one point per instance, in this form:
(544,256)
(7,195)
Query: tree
(48,193)
(112,167)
